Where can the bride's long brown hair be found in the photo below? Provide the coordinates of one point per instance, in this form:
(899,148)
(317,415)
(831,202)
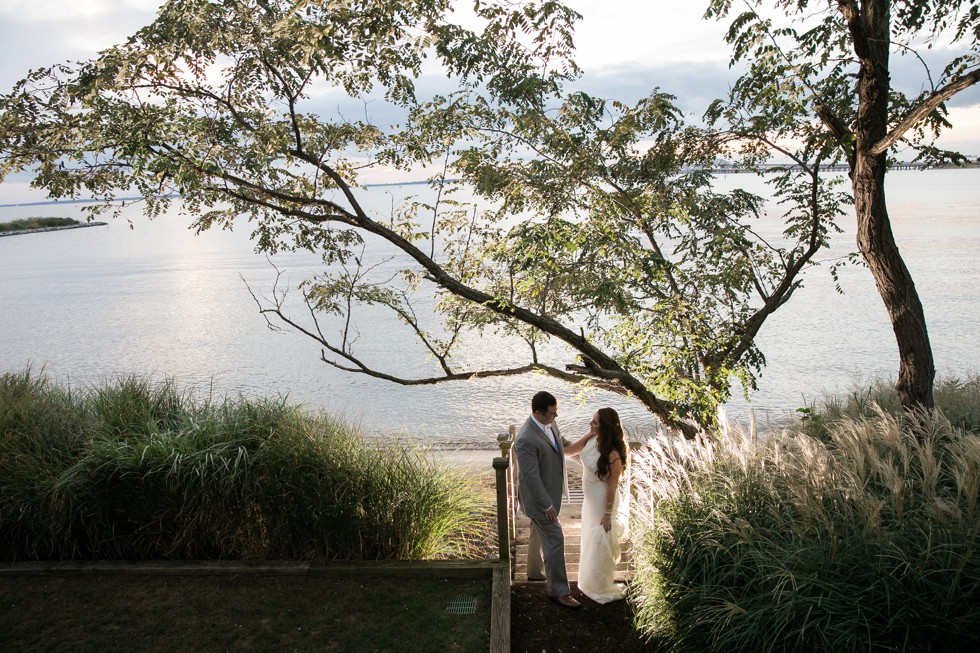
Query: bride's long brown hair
(610,438)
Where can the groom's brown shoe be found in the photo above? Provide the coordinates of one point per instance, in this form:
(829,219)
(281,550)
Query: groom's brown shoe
(566,601)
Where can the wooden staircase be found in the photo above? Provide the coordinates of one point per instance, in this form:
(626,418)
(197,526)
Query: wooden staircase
(571,519)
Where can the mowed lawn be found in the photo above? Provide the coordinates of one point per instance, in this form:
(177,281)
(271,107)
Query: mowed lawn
(210,613)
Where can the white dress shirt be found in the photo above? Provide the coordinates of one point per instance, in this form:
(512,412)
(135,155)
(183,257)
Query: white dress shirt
(547,429)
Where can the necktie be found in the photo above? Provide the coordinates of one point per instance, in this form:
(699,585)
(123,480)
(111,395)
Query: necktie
(554,440)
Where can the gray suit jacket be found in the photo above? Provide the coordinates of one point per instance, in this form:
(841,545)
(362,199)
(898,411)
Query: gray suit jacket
(542,469)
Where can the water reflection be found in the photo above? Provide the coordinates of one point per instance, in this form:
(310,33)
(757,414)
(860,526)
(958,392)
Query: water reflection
(101,302)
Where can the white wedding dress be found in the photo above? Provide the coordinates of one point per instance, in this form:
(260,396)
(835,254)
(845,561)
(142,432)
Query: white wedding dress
(600,549)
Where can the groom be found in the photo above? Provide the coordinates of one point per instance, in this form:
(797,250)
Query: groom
(541,461)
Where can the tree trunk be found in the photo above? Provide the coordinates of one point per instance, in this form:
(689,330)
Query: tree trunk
(875,239)
(876,242)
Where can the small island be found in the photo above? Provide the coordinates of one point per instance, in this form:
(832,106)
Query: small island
(32,225)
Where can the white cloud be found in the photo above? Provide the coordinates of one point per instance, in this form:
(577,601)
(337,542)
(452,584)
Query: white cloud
(36,33)
(965,135)
(56,11)
(626,48)
(612,35)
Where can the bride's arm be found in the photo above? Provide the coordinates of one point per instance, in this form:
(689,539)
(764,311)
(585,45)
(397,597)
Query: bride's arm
(576,447)
(612,486)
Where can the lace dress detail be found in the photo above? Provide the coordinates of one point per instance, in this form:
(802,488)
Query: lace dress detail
(600,549)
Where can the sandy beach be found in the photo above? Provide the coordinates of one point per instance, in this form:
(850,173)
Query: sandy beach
(475,460)
(478,464)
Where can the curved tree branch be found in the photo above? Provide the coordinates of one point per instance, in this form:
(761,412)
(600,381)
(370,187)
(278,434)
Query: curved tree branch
(926,107)
(356,365)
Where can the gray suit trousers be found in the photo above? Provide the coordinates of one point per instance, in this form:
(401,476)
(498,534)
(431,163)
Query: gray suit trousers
(553,549)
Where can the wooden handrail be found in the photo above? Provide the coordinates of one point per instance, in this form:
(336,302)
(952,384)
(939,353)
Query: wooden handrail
(506,478)
(500,466)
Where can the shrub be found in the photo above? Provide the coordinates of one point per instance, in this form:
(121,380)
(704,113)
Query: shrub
(862,539)
(134,470)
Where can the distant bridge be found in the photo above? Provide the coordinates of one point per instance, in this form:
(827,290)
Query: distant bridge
(724,168)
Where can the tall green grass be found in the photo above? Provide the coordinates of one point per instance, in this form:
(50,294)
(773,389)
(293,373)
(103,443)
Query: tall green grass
(865,538)
(959,401)
(134,470)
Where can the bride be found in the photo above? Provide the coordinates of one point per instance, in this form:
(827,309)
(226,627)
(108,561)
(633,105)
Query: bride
(602,453)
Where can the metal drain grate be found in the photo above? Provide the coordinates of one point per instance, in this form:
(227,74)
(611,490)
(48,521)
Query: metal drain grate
(462,605)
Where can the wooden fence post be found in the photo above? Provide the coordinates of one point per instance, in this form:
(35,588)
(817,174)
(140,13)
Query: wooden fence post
(500,465)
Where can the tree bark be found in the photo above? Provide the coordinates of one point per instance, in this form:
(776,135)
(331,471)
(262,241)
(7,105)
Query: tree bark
(875,240)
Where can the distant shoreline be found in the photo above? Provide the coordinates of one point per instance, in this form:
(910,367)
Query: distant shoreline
(61,228)
(718,170)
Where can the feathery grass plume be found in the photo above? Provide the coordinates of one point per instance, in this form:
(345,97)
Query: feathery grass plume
(864,539)
(134,470)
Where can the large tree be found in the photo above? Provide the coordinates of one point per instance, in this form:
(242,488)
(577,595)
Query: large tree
(819,84)
(600,231)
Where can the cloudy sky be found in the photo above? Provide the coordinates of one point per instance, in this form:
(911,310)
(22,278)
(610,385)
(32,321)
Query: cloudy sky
(639,35)
(626,48)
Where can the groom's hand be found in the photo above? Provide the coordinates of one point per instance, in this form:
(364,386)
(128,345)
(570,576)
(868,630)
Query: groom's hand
(551,514)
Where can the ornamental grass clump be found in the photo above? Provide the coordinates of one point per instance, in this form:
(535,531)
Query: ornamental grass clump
(41,433)
(959,400)
(138,471)
(862,539)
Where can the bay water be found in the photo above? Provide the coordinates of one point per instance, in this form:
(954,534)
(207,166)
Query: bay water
(153,299)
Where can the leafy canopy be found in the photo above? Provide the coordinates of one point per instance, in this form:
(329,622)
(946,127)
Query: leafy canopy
(598,228)
(819,90)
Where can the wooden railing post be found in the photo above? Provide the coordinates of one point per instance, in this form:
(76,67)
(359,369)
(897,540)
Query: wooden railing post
(506,441)
(501,465)
(506,494)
